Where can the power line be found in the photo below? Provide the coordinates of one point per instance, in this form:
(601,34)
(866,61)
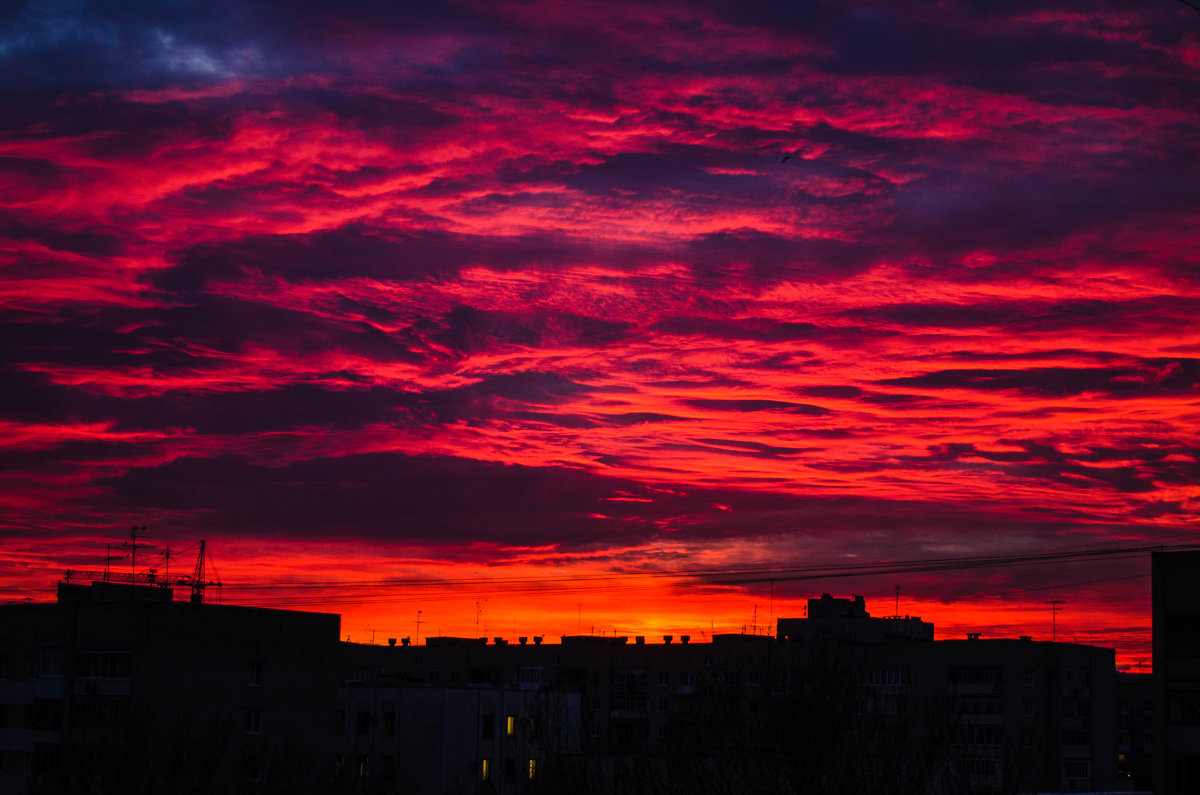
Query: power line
(625,581)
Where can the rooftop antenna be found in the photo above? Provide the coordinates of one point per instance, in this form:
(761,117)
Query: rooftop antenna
(1054,603)
(771,610)
(133,546)
(896,609)
(418,627)
(109,557)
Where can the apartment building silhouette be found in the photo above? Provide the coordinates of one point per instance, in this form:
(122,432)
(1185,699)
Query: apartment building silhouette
(121,686)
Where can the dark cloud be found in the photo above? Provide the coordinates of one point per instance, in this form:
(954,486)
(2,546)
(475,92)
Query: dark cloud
(360,251)
(468,330)
(1142,470)
(1152,377)
(751,404)
(762,256)
(396,497)
(759,329)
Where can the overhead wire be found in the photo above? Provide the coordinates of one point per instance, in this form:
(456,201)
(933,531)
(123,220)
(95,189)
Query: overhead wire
(450,588)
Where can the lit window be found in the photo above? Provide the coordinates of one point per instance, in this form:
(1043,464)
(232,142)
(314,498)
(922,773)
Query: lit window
(485,769)
(510,725)
(362,767)
(532,767)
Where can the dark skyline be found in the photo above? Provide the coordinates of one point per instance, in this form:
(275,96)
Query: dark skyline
(494,291)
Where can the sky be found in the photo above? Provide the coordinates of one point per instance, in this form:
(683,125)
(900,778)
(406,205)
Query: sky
(526,318)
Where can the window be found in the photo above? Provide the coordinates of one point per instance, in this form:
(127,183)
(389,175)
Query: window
(1183,706)
(104,665)
(1027,707)
(1074,738)
(339,764)
(664,704)
(364,722)
(1077,768)
(972,675)
(487,727)
(389,724)
(49,663)
(256,673)
(532,768)
(685,678)
(341,722)
(533,727)
(664,678)
(362,766)
(510,725)
(485,770)
(254,720)
(889,677)
(979,735)
(1029,677)
(986,768)
(46,758)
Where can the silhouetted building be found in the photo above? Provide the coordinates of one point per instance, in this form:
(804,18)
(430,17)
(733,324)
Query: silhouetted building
(125,688)
(847,621)
(117,683)
(1176,593)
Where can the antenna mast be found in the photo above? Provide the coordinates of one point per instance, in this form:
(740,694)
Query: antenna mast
(1054,603)
(133,546)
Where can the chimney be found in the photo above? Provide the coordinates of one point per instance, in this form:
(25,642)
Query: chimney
(391,641)
(522,640)
(668,638)
(972,636)
(684,638)
(640,640)
(537,640)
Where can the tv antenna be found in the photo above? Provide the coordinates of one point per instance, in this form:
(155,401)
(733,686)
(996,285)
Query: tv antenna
(1054,603)
(133,546)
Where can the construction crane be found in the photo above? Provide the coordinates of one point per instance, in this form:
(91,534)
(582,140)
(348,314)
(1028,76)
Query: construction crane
(196,582)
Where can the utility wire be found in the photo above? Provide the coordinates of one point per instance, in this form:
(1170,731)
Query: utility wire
(600,583)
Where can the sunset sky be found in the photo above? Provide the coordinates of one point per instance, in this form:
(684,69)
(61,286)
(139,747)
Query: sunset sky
(542,311)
